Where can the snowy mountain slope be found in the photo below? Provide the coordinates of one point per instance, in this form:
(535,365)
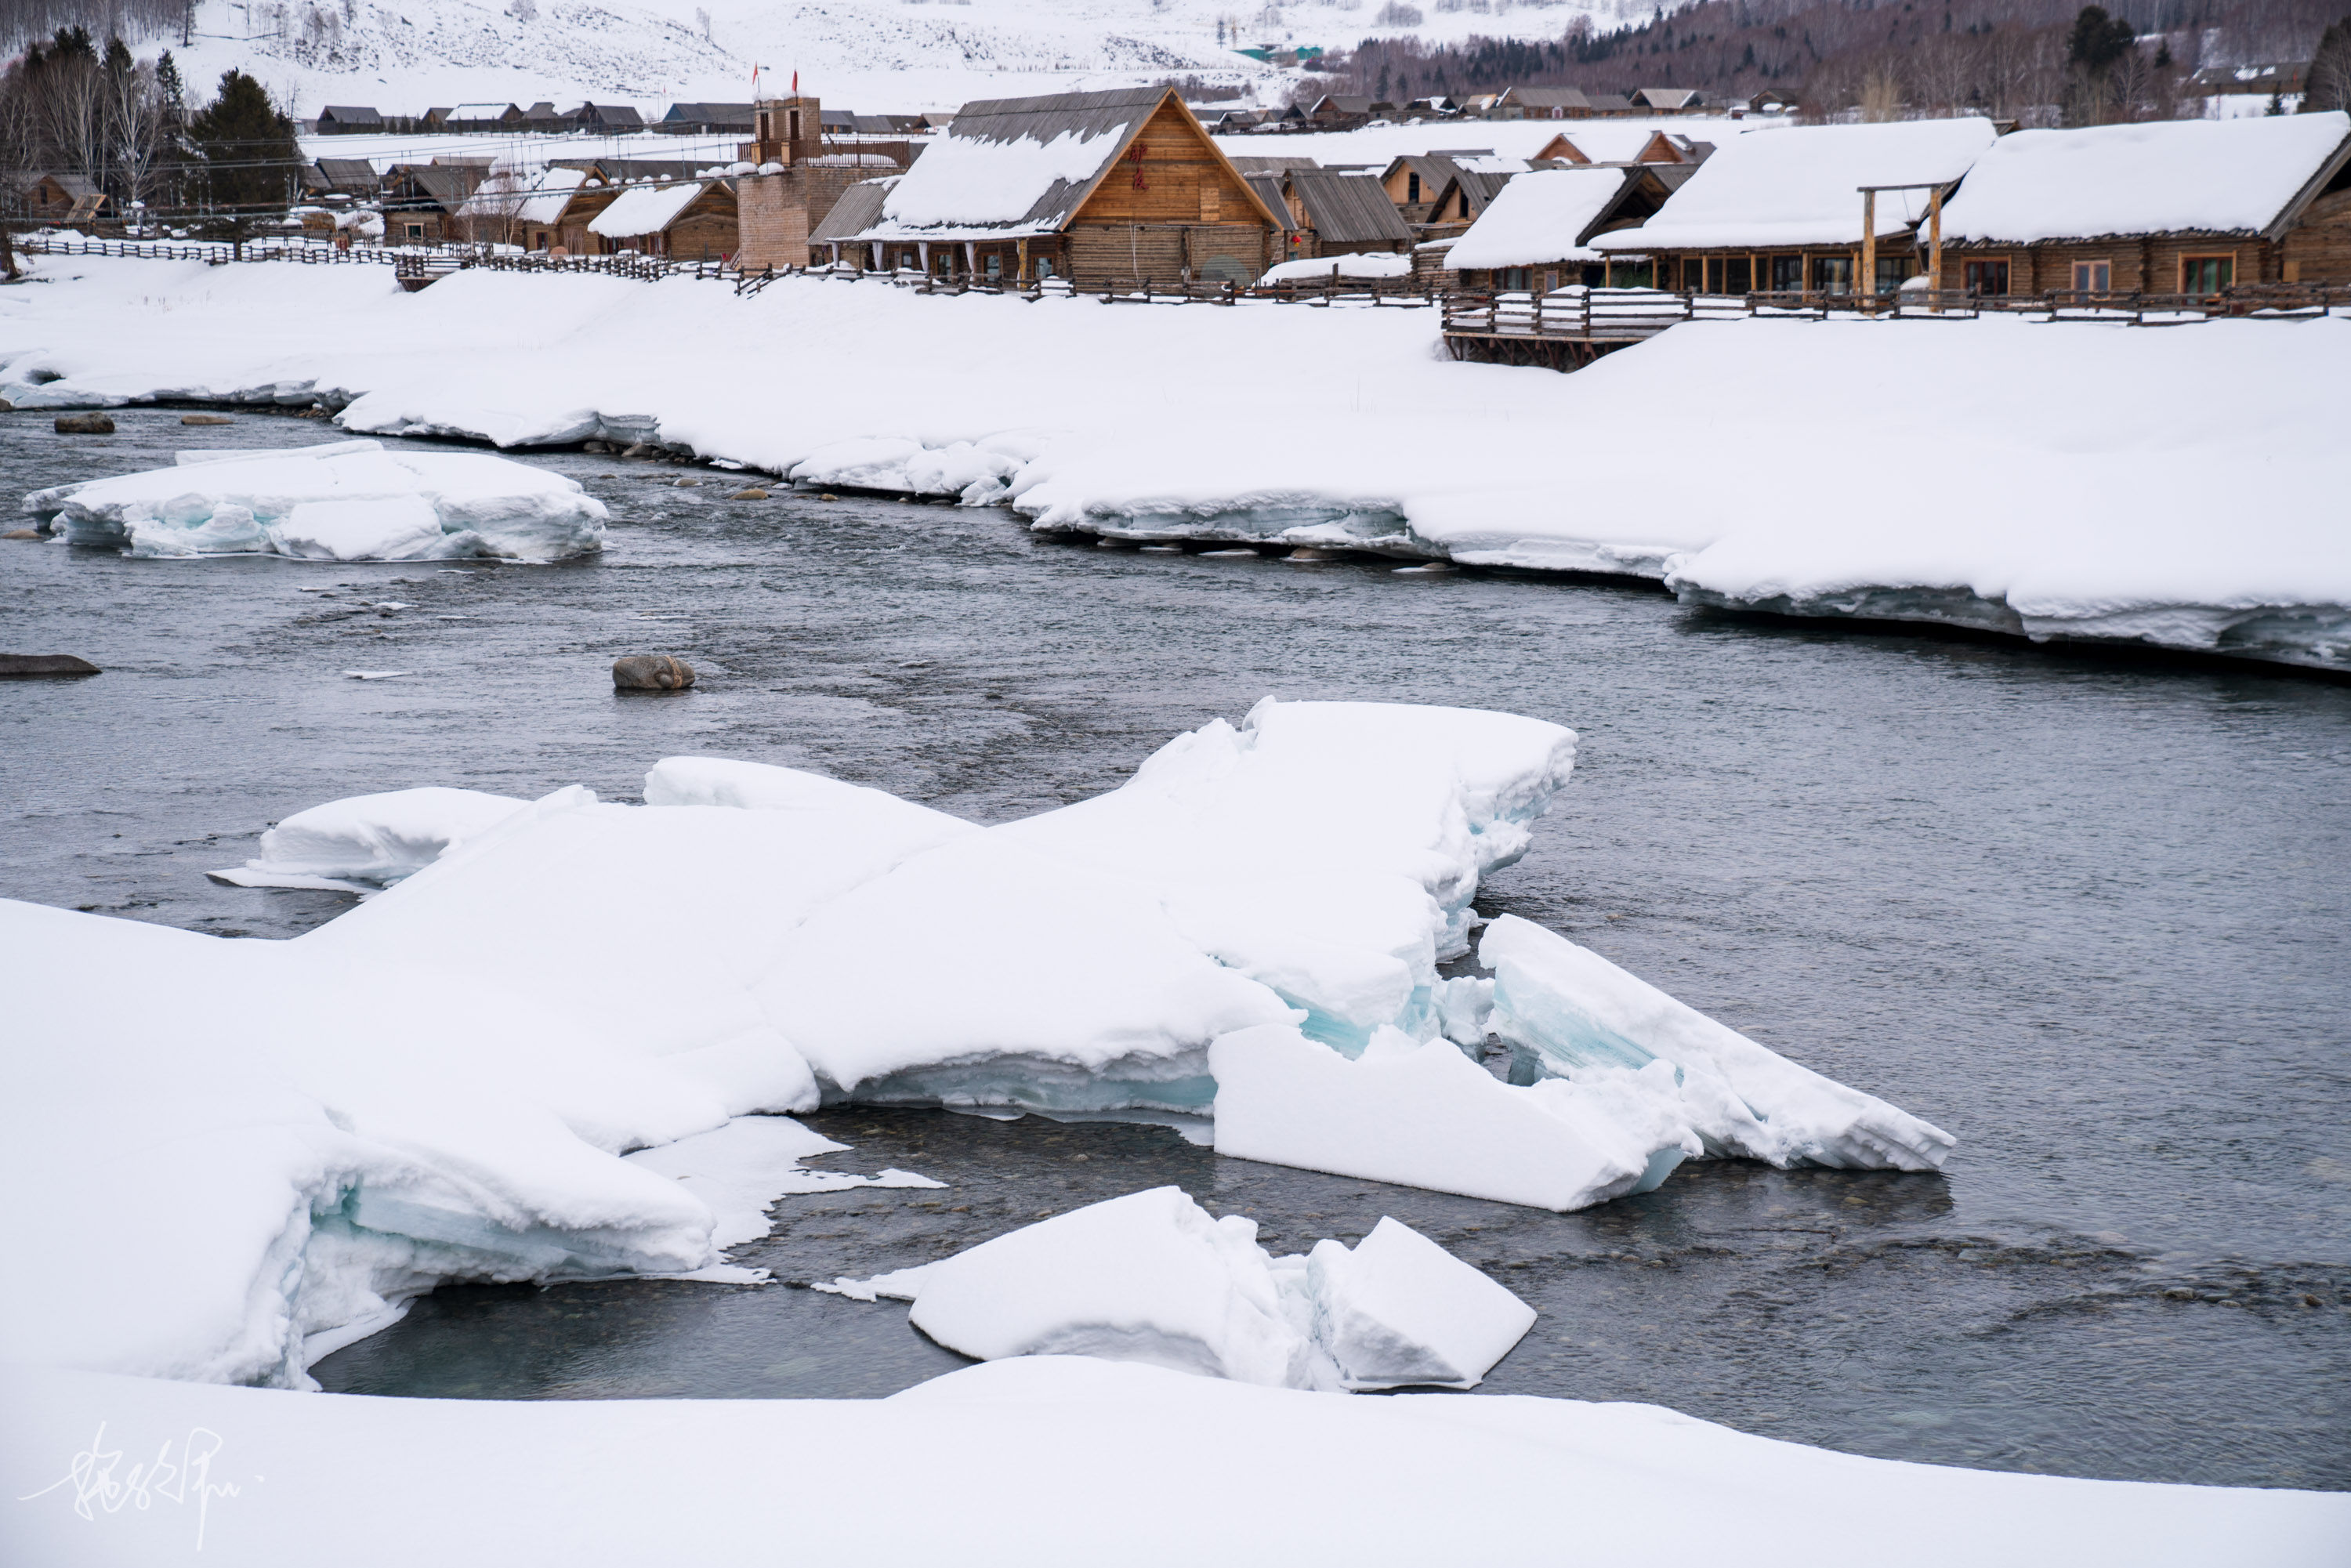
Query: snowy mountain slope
(869,55)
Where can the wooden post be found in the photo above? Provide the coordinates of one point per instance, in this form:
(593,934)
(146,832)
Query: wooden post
(1935,249)
(1867,283)
(1021,259)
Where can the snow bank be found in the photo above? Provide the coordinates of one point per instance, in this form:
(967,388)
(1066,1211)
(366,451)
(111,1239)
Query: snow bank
(369,841)
(1590,1022)
(2090,513)
(604,1483)
(349,501)
(1151,1277)
(1426,1115)
(1374,264)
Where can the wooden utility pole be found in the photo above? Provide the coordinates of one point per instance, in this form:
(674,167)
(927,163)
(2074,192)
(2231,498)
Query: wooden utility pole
(1867,284)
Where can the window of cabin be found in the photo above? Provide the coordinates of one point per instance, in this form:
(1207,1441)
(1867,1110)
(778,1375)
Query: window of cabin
(995,267)
(1987,277)
(415,231)
(944,264)
(1412,187)
(1891,272)
(1739,274)
(2094,277)
(1787,275)
(1550,282)
(1044,267)
(1512,278)
(1832,274)
(2207,274)
(1465,204)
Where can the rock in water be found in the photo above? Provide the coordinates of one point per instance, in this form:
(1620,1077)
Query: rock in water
(22,534)
(753,494)
(642,449)
(206,418)
(651,672)
(85,424)
(53,665)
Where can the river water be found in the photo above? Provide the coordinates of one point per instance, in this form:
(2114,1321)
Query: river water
(2088,912)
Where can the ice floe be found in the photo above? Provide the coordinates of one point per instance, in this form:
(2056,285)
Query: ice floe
(343,501)
(1153,1277)
(506,1063)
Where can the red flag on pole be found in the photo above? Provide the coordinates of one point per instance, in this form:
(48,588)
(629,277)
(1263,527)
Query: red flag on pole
(796,84)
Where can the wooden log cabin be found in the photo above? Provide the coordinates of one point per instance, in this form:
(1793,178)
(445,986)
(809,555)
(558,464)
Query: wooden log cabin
(692,220)
(548,209)
(1339,212)
(1781,212)
(1106,189)
(2183,206)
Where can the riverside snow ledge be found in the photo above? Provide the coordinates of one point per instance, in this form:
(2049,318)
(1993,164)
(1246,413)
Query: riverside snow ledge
(2000,474)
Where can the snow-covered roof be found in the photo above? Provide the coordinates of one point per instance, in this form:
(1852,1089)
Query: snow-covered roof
(482,111)
(645,210)
(2221,176)
(1009,167)
(1373,264)
(1801,186)
(1544,216)
(525,198)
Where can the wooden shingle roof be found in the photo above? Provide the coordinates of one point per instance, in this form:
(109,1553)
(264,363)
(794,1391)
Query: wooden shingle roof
(1347,209)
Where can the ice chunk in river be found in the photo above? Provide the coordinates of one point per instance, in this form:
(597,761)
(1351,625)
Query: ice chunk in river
(349,501)
(1427,1116)
(1151,1277)
(1587,1020)
(1401,1310)
(368,838)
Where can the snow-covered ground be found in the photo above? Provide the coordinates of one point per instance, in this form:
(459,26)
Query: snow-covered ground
(1043,1461)
(2003,474)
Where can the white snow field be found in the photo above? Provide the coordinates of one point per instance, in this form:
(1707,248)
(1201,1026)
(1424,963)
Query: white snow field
(1042,1461)
(442,1082)
(349,501)
(1151,1277)
(1730,459)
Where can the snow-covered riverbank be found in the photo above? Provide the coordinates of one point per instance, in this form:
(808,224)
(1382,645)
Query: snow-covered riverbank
(1044,1460)
(2172,486)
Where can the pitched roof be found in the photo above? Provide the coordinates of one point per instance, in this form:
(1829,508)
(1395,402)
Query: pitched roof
(350,114)
(1544,217)
(444,184)
(713,113)
(1801,186)
(1547,96)
(858,209)
(1268,189)
(2215,176)
(482,111)
(1668,97)
(608,114)
(525,198)
(647,210)
(353,175)
(1248,164)
(1347,209)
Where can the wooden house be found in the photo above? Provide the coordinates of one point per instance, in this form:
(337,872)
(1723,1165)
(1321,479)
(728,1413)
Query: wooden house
(353,177)
(1540,103)
(1105,188)
(343,119)
(478,118)
(1622,144)
(1536,234)
(692,220)
(1474,182)
(1781,212)
(421,201)
(1341,111)
(545,210)
(1668,99)
(1339,212)
(2179,206)
(1413,181)
(610,117)
(705,120)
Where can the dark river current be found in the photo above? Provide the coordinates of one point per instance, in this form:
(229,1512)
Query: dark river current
(2088,912)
